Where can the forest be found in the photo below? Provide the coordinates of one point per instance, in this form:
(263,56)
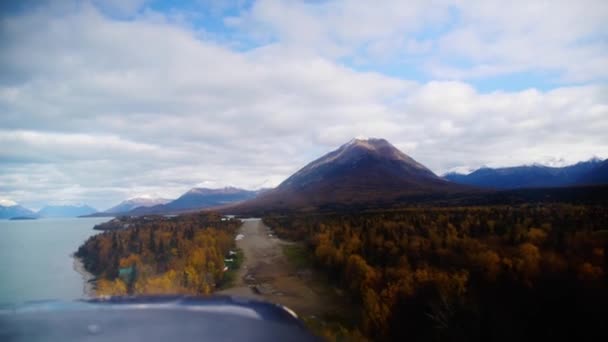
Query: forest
(492,273)
(185,254)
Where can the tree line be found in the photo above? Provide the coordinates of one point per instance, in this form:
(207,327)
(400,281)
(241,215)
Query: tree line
(494,273)
(160,255)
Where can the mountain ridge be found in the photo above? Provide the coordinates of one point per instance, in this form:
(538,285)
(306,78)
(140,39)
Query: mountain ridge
(198,198)
(132,203)
(593,171)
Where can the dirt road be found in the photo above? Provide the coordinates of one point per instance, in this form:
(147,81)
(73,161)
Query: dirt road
(266,273)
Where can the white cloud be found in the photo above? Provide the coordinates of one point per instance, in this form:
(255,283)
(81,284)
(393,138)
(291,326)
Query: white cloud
(7,202)
(563,37)
(124,8)
(460,39)
(464,128)
(340,28)
(97,110)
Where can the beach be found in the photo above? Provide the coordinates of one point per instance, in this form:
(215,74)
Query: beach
(88,280)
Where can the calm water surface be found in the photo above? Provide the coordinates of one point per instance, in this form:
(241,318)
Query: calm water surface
(35,258)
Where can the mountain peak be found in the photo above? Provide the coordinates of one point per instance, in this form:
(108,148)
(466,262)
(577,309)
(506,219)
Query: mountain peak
(384,149)
(363,170)
(359,149)
(135,202)
(365,141)
(376,145)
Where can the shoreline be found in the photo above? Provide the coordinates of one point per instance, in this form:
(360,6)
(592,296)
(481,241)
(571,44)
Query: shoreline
(88,280)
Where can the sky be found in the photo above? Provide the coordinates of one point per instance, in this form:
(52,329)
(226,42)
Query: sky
(106,100)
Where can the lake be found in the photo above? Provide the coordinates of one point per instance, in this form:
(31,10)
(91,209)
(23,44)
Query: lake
(35,258)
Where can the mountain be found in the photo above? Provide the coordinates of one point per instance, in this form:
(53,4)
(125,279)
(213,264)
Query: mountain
(597,175)
(198,198)
(133,203)
(360,171)
(593,171)
(15,210)
(65,211)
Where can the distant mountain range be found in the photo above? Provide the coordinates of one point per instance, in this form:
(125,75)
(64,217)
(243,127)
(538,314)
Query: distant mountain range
(137,202)
(535,176)
(198,198)
(10,211)
(65,210)
(361,171)
(367,173)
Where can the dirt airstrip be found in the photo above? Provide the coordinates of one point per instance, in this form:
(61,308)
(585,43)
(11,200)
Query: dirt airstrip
(266,274)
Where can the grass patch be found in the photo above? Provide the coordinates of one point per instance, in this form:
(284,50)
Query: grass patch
(298,256)
(233,268)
